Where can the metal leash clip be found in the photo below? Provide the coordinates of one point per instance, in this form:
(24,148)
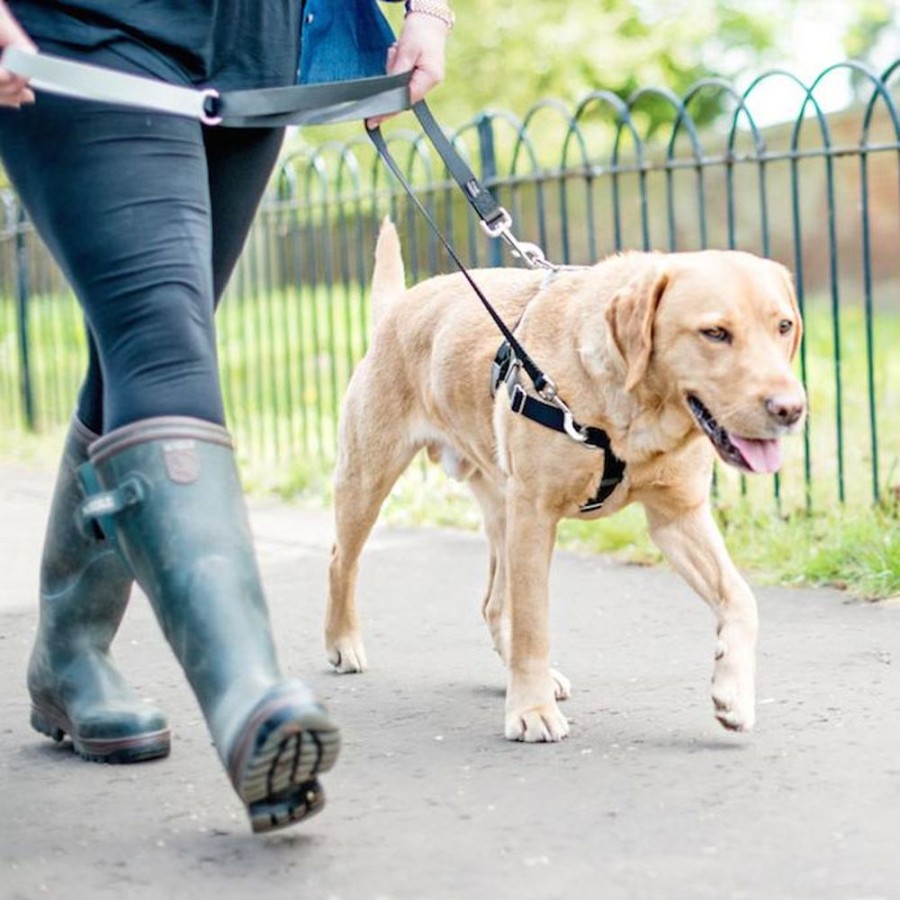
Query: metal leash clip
(550,393)
(529,253)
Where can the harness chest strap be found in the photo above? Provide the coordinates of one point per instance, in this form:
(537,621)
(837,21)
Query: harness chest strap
(557,418)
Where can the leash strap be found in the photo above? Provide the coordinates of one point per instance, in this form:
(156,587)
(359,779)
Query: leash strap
(495,220)
(312,104)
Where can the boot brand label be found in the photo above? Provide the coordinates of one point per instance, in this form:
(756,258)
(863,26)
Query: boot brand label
(182,465)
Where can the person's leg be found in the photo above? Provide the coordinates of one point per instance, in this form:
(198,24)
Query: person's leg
(73,683)
(239,162)
(139,254)
(173,504)
(89,407)
(121,199)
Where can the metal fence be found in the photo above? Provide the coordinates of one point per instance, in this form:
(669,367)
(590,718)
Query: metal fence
(819,192)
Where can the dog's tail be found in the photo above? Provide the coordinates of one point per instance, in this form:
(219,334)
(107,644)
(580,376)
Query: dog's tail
(388,279)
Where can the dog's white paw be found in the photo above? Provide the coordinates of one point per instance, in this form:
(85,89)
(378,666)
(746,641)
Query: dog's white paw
(733,688)
(532,714)
(562,686)
(538,724)
(347,654)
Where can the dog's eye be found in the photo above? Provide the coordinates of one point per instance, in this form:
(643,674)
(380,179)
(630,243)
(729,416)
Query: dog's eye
(718,335)
(785,326)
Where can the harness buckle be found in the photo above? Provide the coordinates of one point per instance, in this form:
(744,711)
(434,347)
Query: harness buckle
(517,397)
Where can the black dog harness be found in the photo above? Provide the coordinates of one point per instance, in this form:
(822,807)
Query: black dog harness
(505,370)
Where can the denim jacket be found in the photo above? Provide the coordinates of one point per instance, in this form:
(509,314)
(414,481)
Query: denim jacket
(341,39)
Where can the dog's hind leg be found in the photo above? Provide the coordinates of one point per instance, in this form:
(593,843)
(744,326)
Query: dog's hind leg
(371,461)
(693,545)
(493,509)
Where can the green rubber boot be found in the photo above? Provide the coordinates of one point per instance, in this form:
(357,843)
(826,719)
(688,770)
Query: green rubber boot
(174,506)
(74,685)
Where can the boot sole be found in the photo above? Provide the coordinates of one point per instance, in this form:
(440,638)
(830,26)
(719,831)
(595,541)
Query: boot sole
(115,751)
(283,748)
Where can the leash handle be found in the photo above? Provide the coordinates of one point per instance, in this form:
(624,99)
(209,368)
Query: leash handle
(309,104)
(86,82)
(541,382)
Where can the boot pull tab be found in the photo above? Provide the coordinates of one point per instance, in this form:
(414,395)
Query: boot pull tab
(94,516)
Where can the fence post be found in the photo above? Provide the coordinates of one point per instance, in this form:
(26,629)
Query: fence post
(488,158)
(22,291)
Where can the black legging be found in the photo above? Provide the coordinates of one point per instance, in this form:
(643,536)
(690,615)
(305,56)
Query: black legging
(146,214)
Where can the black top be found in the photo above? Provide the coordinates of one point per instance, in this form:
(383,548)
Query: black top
(228,44)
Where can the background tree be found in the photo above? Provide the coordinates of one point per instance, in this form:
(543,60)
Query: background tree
(512,54)
(509,55)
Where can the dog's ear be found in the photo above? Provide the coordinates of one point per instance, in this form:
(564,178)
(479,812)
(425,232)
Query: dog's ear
(630,317)
(788,281)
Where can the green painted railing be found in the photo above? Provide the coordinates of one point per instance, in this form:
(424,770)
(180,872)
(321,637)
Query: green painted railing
(819,192)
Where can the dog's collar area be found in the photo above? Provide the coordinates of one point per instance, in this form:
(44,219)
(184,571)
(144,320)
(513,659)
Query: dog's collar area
(556,415)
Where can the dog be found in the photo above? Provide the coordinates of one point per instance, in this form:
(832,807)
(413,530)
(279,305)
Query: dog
(678,357)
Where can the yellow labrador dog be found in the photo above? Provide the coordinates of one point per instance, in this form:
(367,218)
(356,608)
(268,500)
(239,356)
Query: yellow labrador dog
(678,357)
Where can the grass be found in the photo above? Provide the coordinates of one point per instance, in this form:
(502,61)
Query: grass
(853,549)
(287,355)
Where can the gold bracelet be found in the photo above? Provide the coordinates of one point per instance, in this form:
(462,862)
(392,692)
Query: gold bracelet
(436,8)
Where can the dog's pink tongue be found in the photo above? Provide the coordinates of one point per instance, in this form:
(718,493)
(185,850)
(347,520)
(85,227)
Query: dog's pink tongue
(762,456)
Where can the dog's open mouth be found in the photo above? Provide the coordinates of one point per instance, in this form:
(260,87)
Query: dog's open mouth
(747,454)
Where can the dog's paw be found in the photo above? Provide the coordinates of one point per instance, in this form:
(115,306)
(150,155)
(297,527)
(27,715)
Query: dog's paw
(562,689)
(532,714)
(539,724)
(733,689)
(348,655)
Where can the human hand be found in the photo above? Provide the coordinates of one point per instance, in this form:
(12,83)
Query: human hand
(14,90)
(420,49)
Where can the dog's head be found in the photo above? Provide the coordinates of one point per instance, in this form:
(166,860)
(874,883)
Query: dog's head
(716,331)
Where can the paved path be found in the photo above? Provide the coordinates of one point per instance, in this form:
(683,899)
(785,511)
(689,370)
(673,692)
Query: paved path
(647,799)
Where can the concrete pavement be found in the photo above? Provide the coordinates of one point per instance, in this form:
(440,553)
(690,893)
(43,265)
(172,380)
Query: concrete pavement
(648,798)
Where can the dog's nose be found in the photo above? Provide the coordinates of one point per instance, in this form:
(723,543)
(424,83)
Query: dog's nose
(787,409)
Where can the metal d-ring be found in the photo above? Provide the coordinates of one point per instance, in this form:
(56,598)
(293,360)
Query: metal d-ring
(209,107)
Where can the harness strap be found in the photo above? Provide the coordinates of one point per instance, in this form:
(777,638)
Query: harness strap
(311,104)
(504,370)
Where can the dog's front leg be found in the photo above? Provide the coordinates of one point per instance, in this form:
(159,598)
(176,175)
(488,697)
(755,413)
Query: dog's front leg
(531,711)
(693,545)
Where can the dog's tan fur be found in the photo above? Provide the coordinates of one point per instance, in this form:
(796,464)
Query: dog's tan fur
(626,341)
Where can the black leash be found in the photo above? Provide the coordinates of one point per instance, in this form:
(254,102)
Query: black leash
(482,202)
